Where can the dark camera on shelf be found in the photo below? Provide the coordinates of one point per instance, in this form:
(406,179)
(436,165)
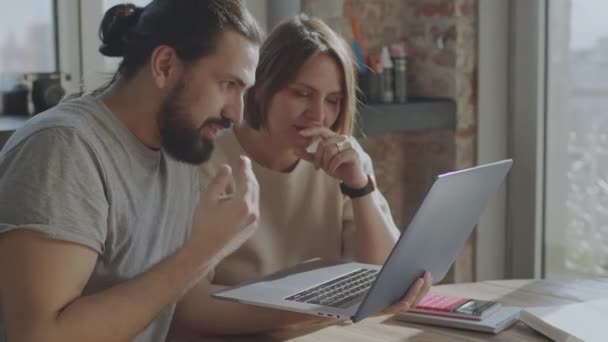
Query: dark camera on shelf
(46,92)
(34,94)
(16,100)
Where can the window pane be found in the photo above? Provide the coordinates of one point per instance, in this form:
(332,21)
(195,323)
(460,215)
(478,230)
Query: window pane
(576,234)
(27,36)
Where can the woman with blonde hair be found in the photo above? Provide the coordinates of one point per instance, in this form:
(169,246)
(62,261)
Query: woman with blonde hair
(317,193)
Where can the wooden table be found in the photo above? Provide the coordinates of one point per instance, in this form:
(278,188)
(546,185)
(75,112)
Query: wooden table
(521,293)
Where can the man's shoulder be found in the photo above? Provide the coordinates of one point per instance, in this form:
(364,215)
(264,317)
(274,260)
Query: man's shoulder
(76,114)
(68,121)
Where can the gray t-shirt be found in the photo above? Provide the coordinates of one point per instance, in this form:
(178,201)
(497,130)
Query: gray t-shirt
(76,173)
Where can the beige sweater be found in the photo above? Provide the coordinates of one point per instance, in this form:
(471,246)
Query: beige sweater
(303,215)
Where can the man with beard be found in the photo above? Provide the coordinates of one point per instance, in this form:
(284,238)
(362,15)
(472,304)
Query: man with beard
(103,227)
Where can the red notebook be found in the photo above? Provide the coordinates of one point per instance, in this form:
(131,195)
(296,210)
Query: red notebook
(457,307)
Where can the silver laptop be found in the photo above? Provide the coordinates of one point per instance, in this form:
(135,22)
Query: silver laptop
(430,242)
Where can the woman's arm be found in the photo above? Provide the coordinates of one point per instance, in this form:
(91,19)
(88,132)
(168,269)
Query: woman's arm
(343,158)
(375,233)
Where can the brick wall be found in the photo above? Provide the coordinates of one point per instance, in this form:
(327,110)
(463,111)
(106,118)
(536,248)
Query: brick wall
(405,163)
(441,36)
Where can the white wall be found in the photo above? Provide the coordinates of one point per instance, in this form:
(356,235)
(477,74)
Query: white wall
(281,9)
(271,12)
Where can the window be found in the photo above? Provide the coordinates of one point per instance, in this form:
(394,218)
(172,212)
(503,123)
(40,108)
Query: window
(576,233)
(27,37)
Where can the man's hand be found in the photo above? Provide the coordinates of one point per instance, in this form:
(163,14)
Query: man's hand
(224,222)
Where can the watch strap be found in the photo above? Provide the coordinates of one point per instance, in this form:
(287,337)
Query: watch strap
(356,193)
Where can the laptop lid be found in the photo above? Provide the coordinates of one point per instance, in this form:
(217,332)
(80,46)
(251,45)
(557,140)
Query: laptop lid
(435,234)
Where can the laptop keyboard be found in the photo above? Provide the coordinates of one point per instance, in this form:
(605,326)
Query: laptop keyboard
(340,292)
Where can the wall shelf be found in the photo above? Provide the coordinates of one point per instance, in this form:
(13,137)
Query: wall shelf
(417,115)
(9,123)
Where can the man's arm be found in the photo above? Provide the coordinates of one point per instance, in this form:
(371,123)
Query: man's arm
(198,312)
(43,280)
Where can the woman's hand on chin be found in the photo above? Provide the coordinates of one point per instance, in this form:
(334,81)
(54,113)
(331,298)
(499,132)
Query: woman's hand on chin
(336,155)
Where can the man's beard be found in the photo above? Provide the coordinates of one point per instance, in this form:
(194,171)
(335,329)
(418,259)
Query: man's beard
(181,139)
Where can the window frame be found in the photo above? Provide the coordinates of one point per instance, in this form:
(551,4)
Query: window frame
(69,43)
(526,198)
(55,23)
(512,42)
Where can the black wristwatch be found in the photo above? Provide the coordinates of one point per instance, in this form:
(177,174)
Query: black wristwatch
(355,193)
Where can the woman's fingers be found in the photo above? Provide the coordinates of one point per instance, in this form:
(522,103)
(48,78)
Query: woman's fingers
(330,148)
(407,301)
(323,132)
(428,281)
(414,295)
(348,156)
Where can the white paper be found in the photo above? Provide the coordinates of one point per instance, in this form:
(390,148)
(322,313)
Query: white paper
(586,320)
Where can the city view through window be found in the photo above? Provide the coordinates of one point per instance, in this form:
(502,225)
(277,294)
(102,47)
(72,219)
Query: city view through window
(576,235)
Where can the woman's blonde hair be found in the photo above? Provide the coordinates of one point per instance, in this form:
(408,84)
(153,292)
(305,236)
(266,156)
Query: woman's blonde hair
(282,55)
